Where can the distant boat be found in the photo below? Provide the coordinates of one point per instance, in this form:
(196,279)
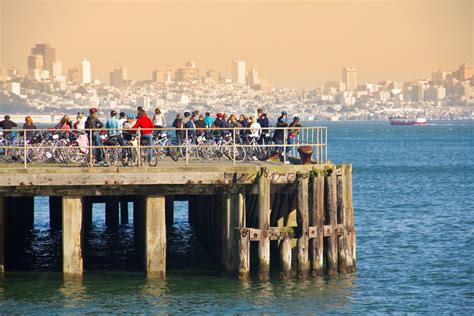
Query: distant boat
(407,121)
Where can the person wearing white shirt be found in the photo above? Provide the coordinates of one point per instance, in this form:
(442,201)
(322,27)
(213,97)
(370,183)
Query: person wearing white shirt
(159,120)
(80,121)
(255,129)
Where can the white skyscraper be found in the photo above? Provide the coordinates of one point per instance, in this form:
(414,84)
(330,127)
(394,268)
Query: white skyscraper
(57,69)
(349,78)
(238,71)
(86,73)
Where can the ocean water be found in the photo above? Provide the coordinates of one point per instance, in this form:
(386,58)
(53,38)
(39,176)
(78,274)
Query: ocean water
(414,215)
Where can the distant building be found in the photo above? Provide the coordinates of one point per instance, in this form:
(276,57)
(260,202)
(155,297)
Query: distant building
(187,74)
(434,93)
(438,78)
(15,88)
(349,78)
(57,69)
(253,77)
(118,77)
(213,75)
(144,101)
(48,53)
(74,75)
(86,72)
(162,75)
(337,85)
(35,61)
(465,72)
(238,71)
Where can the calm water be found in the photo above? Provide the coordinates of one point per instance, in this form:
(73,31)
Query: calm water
(414,204)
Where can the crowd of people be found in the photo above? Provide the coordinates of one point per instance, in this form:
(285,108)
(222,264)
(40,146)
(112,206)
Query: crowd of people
(121,125)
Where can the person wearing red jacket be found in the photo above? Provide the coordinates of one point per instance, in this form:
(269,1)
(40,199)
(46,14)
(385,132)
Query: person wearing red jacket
(146,130)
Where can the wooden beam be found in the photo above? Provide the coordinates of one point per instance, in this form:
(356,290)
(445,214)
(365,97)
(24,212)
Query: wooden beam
(155,240)
(72,236)
(343,252)
(264,225)
(244,254)
(234,221)
(317,214)
(303,225)
(331,211)
(285,258)
(351,240)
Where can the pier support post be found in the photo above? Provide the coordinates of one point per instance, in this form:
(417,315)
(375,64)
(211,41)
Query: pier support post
(2,234)
(169,205)
(317,215)
(72,236)
(351,244)
(87,212)
(285,258)
(234,217)
(155,227)
(55,212)
(111,211)
(343,252)
(139,226)
(331,213)
(303,225)
(264,225)
(124,211)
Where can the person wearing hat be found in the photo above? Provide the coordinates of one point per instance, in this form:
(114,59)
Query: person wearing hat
(80,123)
(293,135)
(114,129)
(278,136)
(93,123)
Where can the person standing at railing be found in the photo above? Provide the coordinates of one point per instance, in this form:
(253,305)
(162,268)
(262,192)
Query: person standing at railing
(30,126)
(209,120)
(255,129)
(93,122)
(146,131)
(220,122)
(293,135)
(64,124)
(278,135)
(265,124)
(200,125)
(159,121)
(8,124)
(122,119)
(80,121)
(178,123)
(191,126)
(114,129)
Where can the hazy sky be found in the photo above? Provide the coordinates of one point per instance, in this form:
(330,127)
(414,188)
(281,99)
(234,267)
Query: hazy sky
(293,43)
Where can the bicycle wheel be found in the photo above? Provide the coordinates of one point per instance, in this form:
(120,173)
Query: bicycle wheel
(173,151)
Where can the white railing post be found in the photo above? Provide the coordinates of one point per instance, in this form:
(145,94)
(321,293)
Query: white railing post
(187,147)
(285,136)
(24,147)
(326,146)
(91,163)
(235,145)
(139,139)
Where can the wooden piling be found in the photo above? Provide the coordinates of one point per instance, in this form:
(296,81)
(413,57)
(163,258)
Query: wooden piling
(264,225)
(124,210)
(342,220)
(351,244)
(331,213)
(155,241)
(303,225)
(234,220)
(244,254)
(55,212)
(169,205)
(87,212)
(111,211)
(72,236)
(317,210)
(285,258)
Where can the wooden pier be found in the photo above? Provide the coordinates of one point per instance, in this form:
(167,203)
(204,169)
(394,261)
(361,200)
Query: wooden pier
(258,219)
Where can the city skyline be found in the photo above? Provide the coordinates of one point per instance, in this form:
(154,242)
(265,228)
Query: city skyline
(283,61)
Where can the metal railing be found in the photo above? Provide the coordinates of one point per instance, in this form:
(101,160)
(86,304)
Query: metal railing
(86,147)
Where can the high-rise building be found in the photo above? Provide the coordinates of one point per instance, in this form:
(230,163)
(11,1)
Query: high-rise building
(57,69)
(238,71)
(253,77)
(438,77)
(48,53)
(35,61)
(118,77)
(86,72)
(74,75)
(162,75)
(188,73)
(349,78)
(213,75)
(466,72)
